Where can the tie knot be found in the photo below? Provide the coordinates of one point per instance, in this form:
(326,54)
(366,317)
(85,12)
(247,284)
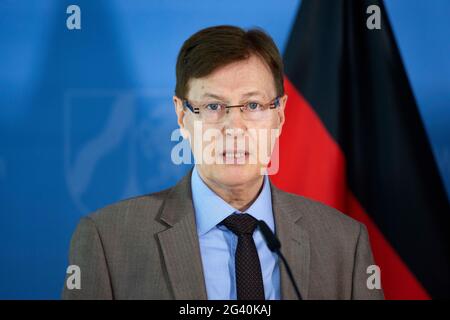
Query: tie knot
(241,223)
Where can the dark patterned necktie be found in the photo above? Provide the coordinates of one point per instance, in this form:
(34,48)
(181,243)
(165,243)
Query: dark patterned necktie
(249,280)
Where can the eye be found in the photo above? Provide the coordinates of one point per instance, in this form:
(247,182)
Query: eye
(252,106)
(213,107)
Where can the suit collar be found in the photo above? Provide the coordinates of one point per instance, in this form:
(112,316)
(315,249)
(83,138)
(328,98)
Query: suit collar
(294,239)
(179,244)
(178,198)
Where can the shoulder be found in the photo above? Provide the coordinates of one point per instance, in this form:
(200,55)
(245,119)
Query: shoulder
(322,219)
(129,213)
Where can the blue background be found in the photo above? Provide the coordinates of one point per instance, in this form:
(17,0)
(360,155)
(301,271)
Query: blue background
(86,115)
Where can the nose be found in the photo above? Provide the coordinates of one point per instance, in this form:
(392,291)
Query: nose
(235,129)
(233,119)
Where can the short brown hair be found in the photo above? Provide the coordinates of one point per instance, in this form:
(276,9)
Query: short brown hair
(214,47)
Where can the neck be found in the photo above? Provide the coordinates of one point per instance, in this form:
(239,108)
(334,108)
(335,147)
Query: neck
(240,196)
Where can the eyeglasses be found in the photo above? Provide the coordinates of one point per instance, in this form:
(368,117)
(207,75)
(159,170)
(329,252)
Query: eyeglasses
(215,112)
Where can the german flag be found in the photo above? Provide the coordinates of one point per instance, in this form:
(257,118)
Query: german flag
(354,139)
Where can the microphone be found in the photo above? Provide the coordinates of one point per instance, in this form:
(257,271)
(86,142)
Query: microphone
(274,245)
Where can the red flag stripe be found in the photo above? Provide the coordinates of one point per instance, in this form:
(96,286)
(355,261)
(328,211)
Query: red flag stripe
(313,165)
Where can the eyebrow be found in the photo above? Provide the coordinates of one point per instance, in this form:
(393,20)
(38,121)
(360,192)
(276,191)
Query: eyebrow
(245,95)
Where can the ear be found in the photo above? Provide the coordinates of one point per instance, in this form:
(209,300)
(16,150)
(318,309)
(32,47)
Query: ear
(281,115)
(181,112)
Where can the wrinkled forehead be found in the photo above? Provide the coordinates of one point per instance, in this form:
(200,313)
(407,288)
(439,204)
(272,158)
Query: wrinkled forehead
(237,81)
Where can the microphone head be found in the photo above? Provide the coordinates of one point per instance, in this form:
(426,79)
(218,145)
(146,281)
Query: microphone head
(272,241)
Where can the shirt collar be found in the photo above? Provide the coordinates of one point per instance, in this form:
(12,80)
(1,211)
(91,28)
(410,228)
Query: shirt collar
(210,209)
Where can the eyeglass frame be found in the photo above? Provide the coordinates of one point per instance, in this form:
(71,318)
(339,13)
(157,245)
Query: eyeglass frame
(196,110)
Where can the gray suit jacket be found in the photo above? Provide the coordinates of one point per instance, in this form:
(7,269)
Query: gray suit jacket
(147,248)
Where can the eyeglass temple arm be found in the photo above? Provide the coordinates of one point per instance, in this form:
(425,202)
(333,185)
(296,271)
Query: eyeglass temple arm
(186,104)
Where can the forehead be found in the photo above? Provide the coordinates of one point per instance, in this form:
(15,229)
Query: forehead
(235,81)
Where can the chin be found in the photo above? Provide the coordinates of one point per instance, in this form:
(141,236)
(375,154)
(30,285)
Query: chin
(232,174)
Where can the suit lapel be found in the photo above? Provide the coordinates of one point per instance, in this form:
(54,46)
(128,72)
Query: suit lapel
(294,243)
(181,251)
(180,245)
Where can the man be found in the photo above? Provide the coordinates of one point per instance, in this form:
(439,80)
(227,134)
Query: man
(200,239)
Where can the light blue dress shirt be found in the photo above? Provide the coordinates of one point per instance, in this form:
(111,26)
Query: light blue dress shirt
(218,244)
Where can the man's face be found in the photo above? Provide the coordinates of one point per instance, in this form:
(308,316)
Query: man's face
(235,145)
